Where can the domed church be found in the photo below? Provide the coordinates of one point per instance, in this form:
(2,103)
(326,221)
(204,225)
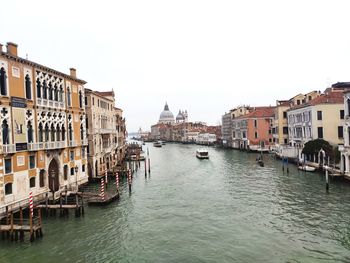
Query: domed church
(182,116)
(166,116)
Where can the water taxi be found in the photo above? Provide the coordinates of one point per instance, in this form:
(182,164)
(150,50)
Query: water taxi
(157,144)
(202,154)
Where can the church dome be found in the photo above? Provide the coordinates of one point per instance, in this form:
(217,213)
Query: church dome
(166,116)
(180,116)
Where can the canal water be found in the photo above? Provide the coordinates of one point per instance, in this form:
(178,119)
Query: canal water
(225,209)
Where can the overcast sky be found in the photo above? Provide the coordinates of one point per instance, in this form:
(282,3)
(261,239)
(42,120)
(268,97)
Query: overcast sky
(203,56)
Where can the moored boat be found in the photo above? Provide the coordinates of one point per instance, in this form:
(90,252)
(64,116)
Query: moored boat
(306,168)
(202,154)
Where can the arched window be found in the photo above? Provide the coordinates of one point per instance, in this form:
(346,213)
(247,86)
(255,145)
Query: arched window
(30,132)
(61,94)
(81,132)
(58,133)
(65,172)
(68,97)
(42,178)
(80,100)
(28,85)
(44,90)
(50,91)
(41,132)
(8,188)
(70,131)
(32,182)
(47,131)
(63,133)
(3,86)
(38,88)
(5,132)
(53,131)
(56,93)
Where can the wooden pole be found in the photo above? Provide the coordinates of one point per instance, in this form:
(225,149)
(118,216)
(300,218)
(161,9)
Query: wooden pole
(145,167)
(149,165)
(11,231)
(61,210)
(31,231)
(21,233)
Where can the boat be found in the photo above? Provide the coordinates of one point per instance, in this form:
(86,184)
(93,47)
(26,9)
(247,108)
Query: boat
(163,142)
(202,154)
(260,160)
(157,144)
(306,168)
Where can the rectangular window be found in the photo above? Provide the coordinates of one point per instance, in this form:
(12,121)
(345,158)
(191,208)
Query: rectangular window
(72,171)
(298,102)
(71,153)
(83,168)
(285,130)
(256,135)
(284,115)
(340,132)
(86,102)
(319,115)
(255,123)
(65,172)
(31,161)
(93,101)
(285,141)
(8,166)
(83,152)
(342,114)
(320,132)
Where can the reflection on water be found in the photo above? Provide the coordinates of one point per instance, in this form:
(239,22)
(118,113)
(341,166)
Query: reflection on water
(225,209)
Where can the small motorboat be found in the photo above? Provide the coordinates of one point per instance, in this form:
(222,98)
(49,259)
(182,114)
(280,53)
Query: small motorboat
(306,168)
(157,144)
(202,154)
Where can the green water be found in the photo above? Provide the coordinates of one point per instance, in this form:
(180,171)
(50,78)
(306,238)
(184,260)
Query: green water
(225,209)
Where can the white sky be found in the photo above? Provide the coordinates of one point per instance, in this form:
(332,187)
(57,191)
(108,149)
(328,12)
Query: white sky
(203,56)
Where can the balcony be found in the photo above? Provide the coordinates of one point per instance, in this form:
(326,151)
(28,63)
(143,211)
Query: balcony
(105,131)
(85,142)
(8,148)
(50,103)
(46,145)
(72,143)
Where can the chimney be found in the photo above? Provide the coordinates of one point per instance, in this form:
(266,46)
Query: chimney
(12,48)
(0,47)
(73,72)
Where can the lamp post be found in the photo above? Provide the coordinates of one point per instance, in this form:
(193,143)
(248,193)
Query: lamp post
(76,176)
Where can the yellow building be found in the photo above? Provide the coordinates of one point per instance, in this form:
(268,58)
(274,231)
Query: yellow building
(43,134)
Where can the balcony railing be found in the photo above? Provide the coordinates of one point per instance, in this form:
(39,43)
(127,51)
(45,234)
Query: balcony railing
(85,142)
(105,131)
(8,148)
(50,103)
(72,143)
(46,145)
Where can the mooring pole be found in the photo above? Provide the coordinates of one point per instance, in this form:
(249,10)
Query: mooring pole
(129,179)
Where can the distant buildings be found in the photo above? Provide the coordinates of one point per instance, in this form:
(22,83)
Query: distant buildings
(288,126)
(181,130)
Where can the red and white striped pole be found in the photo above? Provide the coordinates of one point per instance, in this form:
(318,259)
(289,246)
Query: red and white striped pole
(102,189)
(129,179)
(31,206)
(117,181)
(106,176)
